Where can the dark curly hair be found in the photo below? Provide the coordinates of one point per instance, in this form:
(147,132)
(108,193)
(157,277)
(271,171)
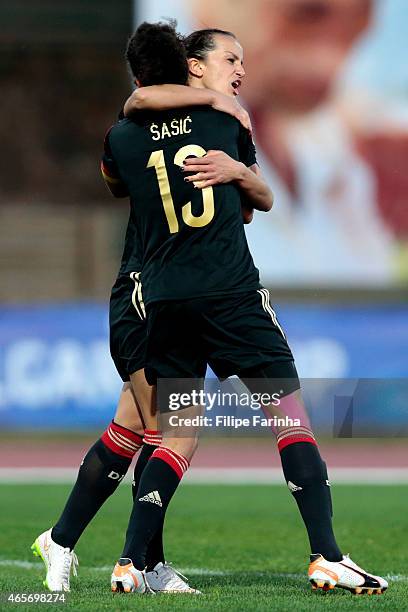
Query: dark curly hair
(156,54)
(199,43)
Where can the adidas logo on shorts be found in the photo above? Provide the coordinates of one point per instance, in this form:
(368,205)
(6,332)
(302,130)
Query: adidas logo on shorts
(153,497)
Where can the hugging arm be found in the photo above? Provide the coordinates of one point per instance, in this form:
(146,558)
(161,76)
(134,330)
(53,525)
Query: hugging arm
(217,167)
(166,97)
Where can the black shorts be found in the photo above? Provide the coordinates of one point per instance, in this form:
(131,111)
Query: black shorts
(127,325)
(236,335)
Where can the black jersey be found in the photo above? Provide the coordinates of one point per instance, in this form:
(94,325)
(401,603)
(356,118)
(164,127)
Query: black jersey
(132,252)
(193,241)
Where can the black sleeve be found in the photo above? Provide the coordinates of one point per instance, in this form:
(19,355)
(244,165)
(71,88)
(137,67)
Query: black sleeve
(109,168)
(246,147)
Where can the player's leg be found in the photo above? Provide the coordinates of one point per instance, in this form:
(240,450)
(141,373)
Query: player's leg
(158,483)
(100,473)
(107,461)
(262,358)
(300,459)
(151,441)
(264,362)
(127,344)
(304,470)
(169,350)
(160,575)
(125,416)
(159,480)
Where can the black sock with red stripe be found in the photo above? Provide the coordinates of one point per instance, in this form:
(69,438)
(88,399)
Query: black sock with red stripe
(155,552)
(306,476)
(158,484)
(101,471)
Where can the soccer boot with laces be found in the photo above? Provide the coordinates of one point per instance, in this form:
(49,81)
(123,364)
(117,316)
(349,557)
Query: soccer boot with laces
(58,561)
(165,579)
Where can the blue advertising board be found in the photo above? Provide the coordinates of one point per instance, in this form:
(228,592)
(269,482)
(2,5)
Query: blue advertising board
(56,371)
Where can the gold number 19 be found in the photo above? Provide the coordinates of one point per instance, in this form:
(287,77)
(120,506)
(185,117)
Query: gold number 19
(157,161)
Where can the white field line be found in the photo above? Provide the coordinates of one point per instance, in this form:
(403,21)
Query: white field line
(191,571)
(225,476)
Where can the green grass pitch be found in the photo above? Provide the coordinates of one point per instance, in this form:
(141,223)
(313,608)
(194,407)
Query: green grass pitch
(243,546)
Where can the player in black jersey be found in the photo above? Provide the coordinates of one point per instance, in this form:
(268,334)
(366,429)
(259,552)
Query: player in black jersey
(108,460)
(205,305)
(252,185)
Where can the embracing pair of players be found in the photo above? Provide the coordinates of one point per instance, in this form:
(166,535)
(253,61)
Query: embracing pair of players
(193,180)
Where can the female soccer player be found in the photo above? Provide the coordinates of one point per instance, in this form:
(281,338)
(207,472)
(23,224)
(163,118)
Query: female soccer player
(239,338)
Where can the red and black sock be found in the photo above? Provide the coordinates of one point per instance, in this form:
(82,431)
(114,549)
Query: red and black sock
(306,476)
(155,552)
(101,471)
(158,483)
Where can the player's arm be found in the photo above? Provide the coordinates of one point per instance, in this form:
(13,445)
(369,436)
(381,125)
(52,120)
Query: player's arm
(110,172)
(247,213)
(113,183)
(166,97)
(247,208)
(217,167)
(254,190)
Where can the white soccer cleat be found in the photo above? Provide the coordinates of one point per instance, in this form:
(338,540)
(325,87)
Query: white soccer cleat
(58,561)
(344,574)
(165,579)
(127,579)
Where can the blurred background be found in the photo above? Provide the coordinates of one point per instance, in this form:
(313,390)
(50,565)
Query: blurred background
(327,87)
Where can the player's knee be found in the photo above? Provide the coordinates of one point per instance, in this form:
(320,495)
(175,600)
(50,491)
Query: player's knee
(127,413)
(183,446)
(194,445)
(132,423)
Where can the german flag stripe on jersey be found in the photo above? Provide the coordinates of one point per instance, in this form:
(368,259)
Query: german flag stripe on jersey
(107,174)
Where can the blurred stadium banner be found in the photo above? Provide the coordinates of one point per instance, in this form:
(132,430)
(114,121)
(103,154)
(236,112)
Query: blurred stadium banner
(331,135)
(56,371)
